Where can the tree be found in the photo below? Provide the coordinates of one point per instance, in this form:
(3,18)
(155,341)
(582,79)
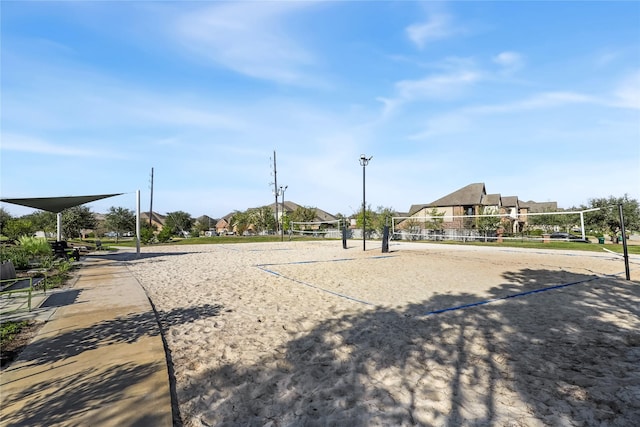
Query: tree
(43,221)
(5,217)
(369,216)
(178,223)
(120,220)
(147,233)
(18,227)
(286,222)
(263,219)
(383,217)
(75,219)
(546,222)
(412,227)
(199,229)
(303,214)
(436,219)
(606,220)
(240,222)
(164,235)
(488,223)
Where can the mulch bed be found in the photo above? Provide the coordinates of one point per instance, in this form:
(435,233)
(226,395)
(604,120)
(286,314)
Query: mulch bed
(11,349)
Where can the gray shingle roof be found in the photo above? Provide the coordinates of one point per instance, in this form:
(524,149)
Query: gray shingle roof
(510,201)
(492,200)
(470,195)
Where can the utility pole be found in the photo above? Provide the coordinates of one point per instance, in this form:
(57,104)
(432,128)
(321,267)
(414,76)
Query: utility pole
(151,204)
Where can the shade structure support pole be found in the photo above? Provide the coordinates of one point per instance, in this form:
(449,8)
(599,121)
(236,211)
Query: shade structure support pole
(59,226)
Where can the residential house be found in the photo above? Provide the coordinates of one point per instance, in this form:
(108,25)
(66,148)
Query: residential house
(473,200)
(157,220)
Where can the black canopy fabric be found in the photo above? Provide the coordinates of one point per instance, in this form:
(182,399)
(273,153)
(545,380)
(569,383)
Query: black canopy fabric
(57,204)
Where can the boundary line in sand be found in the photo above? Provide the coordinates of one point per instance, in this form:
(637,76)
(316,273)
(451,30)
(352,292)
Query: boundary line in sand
(301,282)
(520,294)
(275,273)
(319,261)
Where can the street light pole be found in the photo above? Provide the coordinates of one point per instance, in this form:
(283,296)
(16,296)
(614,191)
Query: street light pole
(282,190)
(364,161)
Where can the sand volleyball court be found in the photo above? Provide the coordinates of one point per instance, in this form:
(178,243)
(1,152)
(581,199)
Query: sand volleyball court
(310,334)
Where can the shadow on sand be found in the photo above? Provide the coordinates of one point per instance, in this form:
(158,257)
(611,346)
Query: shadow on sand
(558,357)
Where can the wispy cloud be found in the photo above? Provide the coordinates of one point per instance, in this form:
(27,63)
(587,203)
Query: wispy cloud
(437,26)
(30,144)
(533,102)
(97,100)
(509,61)
(627,94)
(462,119)
(444,86)
(249,38)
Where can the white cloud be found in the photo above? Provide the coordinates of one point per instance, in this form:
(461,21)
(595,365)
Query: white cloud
(627,93)
(444,86)
(29,144)
(96,100)
(249,38)
(434,87)
(509,61)
(536,101)
(438,26)
(460,120)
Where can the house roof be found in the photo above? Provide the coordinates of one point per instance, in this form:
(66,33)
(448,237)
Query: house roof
(510,201)
(205,219)
(492,200)
(538,207)
(475,194)
(292,206)
(470,195)
(155,216)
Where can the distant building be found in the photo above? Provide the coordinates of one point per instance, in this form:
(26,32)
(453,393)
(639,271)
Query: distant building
(473,200)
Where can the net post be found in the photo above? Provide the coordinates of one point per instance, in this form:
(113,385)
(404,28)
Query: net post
(385,239)
(624,243)
(344,236)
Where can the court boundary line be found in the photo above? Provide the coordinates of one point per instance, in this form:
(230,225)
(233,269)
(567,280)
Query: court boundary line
(516,295)
(262,267)
(301,282)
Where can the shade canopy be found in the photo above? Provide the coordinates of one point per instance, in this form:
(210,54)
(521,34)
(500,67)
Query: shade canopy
(57,204)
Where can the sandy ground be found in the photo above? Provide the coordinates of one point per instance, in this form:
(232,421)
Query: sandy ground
(310,334)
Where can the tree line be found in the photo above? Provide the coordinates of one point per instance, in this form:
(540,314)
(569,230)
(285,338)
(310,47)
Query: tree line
(79,220)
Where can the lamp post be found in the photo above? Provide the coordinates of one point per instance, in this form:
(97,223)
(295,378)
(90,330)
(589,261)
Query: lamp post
(282,190)
(364,161)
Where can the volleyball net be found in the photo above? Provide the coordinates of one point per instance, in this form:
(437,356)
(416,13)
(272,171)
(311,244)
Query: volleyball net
(316,229)
(491,226)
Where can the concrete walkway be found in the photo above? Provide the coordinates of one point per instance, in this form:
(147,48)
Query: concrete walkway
(99,359)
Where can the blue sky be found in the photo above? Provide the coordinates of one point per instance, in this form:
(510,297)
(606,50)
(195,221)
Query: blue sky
(540,100)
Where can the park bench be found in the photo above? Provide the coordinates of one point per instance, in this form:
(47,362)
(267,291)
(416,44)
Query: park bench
(62,250)
(10,284)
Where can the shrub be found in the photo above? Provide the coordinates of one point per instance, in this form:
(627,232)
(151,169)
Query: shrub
(35,246)
(164,235)
(18,255)
(146,235)
(9,329)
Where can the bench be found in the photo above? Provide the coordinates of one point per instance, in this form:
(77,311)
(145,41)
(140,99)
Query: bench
(62,250)
(11,284)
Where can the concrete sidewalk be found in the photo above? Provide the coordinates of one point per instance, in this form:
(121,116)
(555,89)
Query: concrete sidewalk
(99,360)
